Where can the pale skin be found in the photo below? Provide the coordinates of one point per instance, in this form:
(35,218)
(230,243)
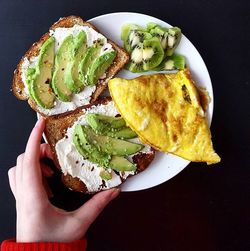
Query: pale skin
(37,219)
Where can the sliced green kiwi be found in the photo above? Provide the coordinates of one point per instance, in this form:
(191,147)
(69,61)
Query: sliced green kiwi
(134,38)
(146,56)
(126,28)
(174,37)
(174,62)
(136,59)
(153,53)
(151,26)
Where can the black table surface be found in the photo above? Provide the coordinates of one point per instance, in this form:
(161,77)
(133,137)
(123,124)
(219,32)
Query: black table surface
(203,207)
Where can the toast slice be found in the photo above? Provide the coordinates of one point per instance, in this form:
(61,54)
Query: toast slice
(18,86)
(56,129)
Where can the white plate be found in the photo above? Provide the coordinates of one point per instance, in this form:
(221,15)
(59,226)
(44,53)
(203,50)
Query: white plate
(164,166)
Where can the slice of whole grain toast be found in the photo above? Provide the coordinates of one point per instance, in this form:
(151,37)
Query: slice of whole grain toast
(55,129)
(18,86)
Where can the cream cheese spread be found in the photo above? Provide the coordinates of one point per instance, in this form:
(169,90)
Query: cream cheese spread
(82,98)
(73,163)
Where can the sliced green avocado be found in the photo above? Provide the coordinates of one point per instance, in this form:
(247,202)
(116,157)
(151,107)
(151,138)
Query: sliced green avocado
(90,152)
(39,80)
(30,74)
(110,145)
(63,56)
(91,54)
(121,164)
(98,121)
(72,74)
(99,66)
(105,175)
(101,123)
(110,126)
(87,149)
(123,133)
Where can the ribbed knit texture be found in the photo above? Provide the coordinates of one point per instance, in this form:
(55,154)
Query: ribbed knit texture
(11,245)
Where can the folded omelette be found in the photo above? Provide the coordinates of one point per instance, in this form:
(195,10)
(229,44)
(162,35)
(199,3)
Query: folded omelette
(165,111)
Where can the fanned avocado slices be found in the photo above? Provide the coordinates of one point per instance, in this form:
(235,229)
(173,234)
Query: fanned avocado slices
(87,149)
(110,126)
(39,79)
(91,54)
(111,145)
(99,67)
(103,150)
(71,73)
(63,57)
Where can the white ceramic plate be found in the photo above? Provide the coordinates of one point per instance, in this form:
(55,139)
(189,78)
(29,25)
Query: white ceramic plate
(164,166)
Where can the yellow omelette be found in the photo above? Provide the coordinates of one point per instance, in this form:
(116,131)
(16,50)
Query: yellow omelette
(165,111)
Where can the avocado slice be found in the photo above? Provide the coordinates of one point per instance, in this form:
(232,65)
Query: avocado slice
(110,126)
(99,66)
(121,164)
(30,74)
(105,175)
(87,149)
(63,56)
(110,145)
(72,74)
(98,121)
(123,133)
(39,79)
(91,54)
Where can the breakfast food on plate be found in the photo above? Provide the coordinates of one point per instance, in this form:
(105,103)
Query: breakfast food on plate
(67,68)
(166,113)
(94,147)
(99,143)
(152,47)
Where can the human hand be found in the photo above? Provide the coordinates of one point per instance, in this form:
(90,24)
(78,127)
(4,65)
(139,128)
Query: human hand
(37,219)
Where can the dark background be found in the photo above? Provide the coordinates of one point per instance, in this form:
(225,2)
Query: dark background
(203,207)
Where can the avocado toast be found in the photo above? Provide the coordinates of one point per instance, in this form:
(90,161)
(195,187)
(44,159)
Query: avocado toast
(67,68)
(94,148)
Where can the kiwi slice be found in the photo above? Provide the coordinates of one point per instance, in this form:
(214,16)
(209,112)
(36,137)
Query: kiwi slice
(136,59)
(146,56)
(174,37)
(174,62)
(152,54)
(127,28)
(134,38)
(151,26)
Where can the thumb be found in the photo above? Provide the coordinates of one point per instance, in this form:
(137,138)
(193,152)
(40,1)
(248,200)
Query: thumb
(92,208)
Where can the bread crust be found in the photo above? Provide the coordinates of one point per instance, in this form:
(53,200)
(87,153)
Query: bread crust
(18,86)
(55,129)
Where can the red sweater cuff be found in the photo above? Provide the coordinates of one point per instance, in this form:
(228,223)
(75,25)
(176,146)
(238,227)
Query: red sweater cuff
(12,245)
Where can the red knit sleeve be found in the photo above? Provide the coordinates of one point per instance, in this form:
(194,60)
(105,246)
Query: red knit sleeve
(12,245)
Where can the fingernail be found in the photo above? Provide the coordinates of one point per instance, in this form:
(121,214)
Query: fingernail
(115,192)
(39,121)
